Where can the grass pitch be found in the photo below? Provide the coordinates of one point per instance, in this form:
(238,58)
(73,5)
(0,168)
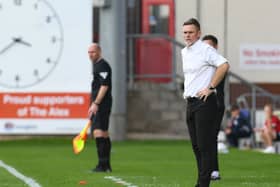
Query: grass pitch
(51,163)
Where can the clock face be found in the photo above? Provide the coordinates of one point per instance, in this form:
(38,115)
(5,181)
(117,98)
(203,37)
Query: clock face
(31,42)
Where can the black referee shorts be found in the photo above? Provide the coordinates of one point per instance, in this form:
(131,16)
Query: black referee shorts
(101,120)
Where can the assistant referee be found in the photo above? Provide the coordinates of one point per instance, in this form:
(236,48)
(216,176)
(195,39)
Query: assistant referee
(203,70)
(100,108)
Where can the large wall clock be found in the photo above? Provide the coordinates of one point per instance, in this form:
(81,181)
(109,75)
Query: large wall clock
(31,42)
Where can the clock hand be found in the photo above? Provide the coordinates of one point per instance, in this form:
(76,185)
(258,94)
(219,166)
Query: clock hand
(15,41)
(25,43)
(7,47)
(19,40)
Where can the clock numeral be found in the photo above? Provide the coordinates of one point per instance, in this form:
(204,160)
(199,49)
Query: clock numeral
(0,72)
(36,73)
(48,60)
(18,2)
(1,6)
(17,78)
(54,39)
(36,6)
(48,19)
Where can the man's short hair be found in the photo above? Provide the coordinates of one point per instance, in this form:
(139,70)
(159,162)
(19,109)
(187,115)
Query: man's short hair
(192,21)
(211,38)
(234,107)
(97,46)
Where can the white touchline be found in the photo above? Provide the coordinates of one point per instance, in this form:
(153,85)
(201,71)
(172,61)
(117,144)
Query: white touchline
(29,181)
(120,181)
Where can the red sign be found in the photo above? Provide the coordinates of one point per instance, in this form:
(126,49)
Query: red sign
(44,105)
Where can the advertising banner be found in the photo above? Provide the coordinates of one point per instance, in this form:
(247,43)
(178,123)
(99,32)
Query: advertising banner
(45,72)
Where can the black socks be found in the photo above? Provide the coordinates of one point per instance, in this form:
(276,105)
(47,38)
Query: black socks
(103,146)
(107,149)
(100,151)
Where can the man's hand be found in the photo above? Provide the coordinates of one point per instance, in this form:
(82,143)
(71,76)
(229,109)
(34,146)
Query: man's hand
(203,94)
(92,109)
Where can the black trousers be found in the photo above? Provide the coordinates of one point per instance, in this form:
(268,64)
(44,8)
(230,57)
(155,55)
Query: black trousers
(201,118)
(220,115)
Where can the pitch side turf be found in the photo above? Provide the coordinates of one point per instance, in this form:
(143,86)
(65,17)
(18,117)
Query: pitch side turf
(51,163)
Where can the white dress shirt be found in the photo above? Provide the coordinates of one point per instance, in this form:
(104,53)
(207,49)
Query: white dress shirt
(200,61)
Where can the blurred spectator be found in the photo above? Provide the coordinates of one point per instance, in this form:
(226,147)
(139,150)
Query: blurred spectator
(271,130)
(244,112)
(238,127)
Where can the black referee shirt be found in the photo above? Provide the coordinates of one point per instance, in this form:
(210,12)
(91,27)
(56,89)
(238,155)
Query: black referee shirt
(102,75)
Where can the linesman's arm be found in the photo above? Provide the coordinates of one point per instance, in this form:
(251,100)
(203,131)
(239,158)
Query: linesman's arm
(101,93)
(95,104)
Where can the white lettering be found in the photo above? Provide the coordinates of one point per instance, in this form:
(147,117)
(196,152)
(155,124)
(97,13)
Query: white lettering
(10,99)
(58,112)
(36,111)
(21,112)
(58,100)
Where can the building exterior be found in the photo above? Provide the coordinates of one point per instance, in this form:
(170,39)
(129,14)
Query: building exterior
(248,38)
(240,24)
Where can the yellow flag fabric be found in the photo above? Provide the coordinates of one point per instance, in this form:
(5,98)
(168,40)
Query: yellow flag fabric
(79,140)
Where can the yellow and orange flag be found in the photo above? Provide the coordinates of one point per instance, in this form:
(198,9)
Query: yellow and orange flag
(79,140)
